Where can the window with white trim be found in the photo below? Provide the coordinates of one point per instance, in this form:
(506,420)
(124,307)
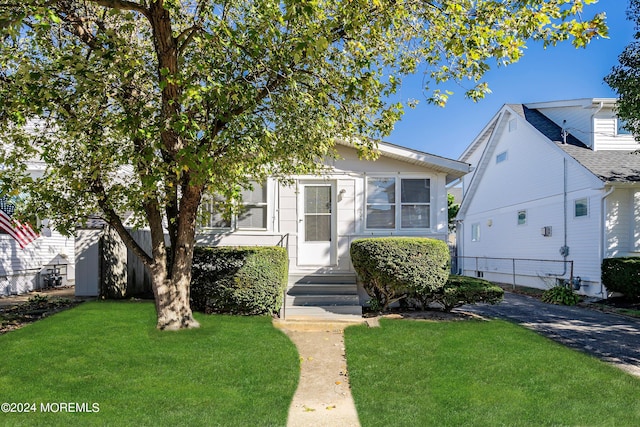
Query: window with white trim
(522,217)
(475,232)
(386,211)
(621,127)
(252,210)
(581,207)
(210,214)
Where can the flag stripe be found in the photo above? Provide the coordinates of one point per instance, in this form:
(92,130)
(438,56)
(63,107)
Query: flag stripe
(22,233)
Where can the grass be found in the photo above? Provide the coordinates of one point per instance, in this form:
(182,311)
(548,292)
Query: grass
(233,371)
(481,373)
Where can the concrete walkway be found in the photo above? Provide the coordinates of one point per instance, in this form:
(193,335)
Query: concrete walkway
(323,397)
(612,338)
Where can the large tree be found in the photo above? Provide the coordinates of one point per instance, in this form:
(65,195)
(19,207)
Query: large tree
(625,77)
(143,106)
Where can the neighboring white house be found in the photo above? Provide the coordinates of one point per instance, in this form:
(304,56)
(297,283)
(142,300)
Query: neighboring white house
(402,193)
(26,269)
(553,181)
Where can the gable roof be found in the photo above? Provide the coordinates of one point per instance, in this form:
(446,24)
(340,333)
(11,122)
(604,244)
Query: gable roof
(607,165)
(454,169)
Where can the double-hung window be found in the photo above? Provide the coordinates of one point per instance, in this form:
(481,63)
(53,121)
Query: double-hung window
(211,213)
(398,203)
(251,212)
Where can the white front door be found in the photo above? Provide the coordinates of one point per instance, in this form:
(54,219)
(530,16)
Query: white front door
(316,225)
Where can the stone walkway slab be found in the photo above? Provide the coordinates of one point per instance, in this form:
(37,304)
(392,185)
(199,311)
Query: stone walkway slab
(323,397)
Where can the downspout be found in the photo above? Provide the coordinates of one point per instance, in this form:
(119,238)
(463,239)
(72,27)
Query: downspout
(603,242)
(592,135)
(564,250)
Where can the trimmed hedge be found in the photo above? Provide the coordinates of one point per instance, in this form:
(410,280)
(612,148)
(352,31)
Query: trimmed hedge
(246,280)
(461,290)
(396,268)
(622,275)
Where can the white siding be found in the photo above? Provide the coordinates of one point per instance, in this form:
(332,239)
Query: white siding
(532,179)
(23,270)
(349,174)
(605,134)
(623,223)
(635,247)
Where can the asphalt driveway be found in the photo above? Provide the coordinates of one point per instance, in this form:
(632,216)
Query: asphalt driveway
(612,338)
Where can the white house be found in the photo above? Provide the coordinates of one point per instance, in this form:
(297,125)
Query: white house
(402,193)
(50,255)
(316,217)
(557,181)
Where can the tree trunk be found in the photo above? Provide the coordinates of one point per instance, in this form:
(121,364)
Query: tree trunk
(172,303)
(172,283)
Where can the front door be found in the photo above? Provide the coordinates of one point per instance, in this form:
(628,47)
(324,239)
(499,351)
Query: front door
(316,227)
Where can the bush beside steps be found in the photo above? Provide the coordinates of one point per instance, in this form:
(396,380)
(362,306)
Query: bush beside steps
(242,280)
(414,272)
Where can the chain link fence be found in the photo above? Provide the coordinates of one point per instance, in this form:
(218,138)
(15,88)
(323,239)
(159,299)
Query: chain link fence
(536,273)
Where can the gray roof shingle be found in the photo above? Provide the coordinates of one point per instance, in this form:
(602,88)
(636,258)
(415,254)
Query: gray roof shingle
(607,165)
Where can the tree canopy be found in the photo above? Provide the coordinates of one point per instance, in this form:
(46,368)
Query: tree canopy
(142,106)
(625,77)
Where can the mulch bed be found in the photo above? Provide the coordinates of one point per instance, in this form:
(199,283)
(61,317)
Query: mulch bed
(15,316)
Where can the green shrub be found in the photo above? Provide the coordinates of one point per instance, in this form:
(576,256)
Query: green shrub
(393,268)
(560,295)
(248,280)
(461,290)
(622,275)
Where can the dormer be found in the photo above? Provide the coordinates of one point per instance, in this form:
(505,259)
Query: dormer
(593,121)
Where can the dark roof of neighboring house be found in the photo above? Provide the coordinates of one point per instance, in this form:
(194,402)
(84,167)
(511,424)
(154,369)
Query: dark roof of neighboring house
(607,165)
(545,125)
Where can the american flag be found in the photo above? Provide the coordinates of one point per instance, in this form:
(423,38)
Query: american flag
(22,233)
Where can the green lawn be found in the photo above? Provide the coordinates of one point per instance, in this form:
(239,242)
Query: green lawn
(233,371)
(481,373)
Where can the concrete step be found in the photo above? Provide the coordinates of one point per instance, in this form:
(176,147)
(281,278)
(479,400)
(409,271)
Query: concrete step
(323,289)
(322,300)
(301,278)
(345,313)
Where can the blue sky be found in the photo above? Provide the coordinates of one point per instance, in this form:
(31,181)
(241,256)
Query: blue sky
(557,73)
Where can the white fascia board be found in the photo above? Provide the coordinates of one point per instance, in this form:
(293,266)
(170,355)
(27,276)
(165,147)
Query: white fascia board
(453,168)
(479,140)
(581,102)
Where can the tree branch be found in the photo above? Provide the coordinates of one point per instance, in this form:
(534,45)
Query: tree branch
(185,38)
(123,5)
(114,220)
